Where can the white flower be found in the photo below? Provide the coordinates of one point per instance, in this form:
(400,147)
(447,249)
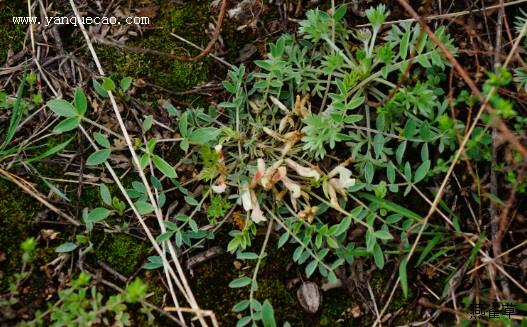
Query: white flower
(344,181)
(300,106)
(283,123)
(303,171)
(272,133)
(219,188)
(293,187)
(270,175)
(250,203)
(246,200)
(333,196)
(260,163)
(257,215)
(279,104)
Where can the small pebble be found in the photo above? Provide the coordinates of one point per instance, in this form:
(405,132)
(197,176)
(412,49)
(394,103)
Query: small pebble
(310,297)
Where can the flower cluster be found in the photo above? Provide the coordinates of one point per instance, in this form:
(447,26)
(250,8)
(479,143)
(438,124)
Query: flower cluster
(338,181)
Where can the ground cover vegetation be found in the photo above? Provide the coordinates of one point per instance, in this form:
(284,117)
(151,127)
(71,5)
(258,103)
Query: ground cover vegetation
(264,163)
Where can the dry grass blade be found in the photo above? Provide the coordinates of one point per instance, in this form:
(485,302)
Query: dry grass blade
(26,187)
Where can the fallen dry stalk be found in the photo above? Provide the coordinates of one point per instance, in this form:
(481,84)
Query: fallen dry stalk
(26,187)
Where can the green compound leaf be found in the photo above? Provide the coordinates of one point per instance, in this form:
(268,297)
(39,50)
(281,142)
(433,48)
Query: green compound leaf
(66,247)
(98,157)
(100,89)
(422,171)
(98,214)
(80,101)
(67,125)
(240,282)
(164,167)
(101,140)
(268,314)
(144,208)
(204,135)
(62,108)
(105,194)
(126,83)
(403,276)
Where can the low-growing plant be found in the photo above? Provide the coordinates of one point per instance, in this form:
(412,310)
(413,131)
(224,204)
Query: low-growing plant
(28,248)
(83,305)
(327,94)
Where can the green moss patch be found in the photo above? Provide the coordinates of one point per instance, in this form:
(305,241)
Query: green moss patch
(186,20)
(121,252)
(212,278)
(11,35)
(17,212)
(334,307)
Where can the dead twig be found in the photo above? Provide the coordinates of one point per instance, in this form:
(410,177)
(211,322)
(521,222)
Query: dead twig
(111,271)
(204,256)
(180,278)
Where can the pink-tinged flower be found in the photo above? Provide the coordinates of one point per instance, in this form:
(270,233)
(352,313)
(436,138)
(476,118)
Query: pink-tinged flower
(257,215)
(308,214)
(250,203)
(260,164)
(219,188)
(303,171)
(260,172)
